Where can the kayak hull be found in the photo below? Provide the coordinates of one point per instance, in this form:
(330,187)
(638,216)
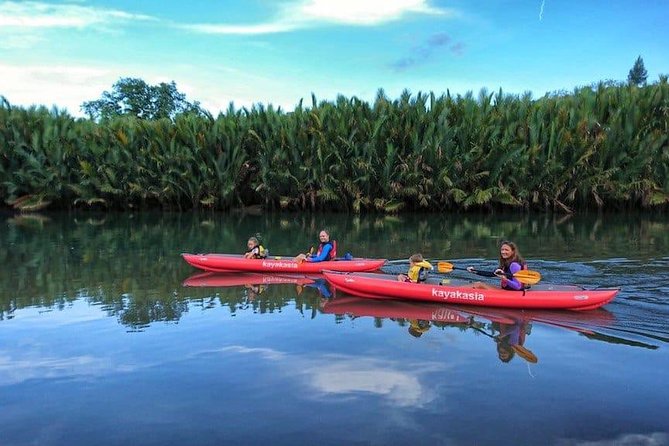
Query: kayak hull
(212,279)
(381,286)
(232,263)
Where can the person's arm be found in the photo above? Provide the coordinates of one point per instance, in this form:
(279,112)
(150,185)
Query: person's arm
(473,270)
(513,282)
(252,253)
(325,253)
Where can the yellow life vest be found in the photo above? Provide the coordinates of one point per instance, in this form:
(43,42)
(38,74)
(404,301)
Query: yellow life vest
(414,271)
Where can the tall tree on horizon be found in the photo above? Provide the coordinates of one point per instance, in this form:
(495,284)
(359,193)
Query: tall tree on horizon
(638,73)
(134,97)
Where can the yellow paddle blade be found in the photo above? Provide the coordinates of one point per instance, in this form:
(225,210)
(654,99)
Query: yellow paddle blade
(524,353)
(445,267)
(528,277)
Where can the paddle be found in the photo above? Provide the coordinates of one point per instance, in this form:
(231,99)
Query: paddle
(523,276)
(300,260)
(523,352)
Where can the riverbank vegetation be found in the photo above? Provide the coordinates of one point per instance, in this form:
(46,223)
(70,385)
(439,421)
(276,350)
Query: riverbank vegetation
(604,146)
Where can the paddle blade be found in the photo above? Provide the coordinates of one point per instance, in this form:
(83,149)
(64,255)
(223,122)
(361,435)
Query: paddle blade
(528,277)
(526,354)
(445,267)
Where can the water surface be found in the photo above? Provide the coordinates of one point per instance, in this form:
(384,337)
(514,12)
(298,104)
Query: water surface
(101,343)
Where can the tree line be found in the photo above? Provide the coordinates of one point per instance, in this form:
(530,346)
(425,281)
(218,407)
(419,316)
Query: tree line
(603,146)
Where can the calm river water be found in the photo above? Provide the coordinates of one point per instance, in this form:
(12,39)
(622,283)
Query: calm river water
(108,338)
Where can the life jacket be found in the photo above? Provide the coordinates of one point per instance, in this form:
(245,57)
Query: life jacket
(507,270)
(333,251)
(261,254)
(417,327)
(418,272)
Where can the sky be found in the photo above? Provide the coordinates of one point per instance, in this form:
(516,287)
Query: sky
(280,51)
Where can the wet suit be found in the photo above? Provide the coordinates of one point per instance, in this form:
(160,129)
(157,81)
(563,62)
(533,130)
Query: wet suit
(512,283)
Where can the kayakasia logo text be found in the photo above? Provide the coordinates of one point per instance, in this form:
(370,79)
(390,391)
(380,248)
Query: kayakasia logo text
(442,314)
(457,295)
(271,265)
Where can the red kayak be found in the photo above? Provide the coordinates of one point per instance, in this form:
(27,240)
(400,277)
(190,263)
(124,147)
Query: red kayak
(211,279)
(381,286)
(236,262)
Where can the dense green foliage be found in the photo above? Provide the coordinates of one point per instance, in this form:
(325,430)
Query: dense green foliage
(605,147)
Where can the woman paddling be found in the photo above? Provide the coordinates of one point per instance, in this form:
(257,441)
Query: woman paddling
(327,250)
(510,262)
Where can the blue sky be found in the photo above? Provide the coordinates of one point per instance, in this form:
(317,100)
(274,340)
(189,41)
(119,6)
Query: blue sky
(278,51)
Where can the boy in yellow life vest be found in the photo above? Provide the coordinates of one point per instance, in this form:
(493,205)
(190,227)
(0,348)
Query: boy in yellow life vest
(256,250)
(416,266)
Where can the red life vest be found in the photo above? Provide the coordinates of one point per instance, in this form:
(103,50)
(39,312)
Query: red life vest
(333,251)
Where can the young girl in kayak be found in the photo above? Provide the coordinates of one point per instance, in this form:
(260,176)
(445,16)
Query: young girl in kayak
(416,266)
(256,250)
(327,250)
(510,262)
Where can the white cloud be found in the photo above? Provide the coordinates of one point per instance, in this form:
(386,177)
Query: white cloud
(310,13)
(263,28)
(66,86)
(19,40)
(367,12)
(47,15)
(363,375)
(346,375)
(652,439)
(17,370)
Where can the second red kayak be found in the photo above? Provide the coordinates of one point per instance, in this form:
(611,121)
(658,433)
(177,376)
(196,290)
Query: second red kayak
(234,262)
(380,286)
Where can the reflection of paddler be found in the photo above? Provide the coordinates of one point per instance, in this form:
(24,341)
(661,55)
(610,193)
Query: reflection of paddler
(253,290)
(417,327)
(322,286)
(318,284)
(510,341)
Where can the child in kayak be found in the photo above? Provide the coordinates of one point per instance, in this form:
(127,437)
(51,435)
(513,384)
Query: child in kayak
(256,250)
(327,250)
(417,269)
(510,262)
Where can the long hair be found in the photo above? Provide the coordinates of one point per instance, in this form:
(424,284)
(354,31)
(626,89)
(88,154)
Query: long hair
(517,257)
